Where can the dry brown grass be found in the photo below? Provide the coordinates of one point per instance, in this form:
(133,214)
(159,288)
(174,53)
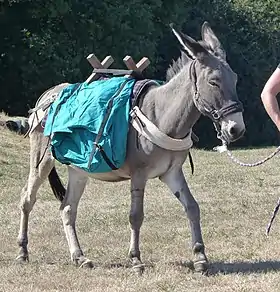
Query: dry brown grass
(236,204)
(5,117)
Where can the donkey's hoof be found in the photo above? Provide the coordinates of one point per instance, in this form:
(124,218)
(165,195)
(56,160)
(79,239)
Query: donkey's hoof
(200,262)
(139,269)
(87,264)
(22,259)
(137,266)
(201,266)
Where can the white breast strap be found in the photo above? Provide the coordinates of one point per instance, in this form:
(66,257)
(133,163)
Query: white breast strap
(150,131)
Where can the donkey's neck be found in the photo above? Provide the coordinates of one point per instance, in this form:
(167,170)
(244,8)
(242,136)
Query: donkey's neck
(170,106)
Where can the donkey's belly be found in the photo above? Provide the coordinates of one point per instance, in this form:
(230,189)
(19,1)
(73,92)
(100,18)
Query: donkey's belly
(156,169)
(112,176)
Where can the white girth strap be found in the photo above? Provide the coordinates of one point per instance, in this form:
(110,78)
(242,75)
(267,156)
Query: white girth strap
(150,131)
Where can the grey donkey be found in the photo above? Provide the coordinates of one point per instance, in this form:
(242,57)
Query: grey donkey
(199,82)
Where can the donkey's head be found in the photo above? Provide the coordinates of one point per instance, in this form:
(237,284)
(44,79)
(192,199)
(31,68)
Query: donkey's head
(214,83)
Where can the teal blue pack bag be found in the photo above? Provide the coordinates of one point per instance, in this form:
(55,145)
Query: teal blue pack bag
(88,124)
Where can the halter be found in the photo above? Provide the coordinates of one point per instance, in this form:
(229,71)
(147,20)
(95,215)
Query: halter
(216,115)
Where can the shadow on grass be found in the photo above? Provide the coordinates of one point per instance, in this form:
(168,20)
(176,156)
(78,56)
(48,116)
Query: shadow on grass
(244,267)
(125,265)
(215,268)
(237,267)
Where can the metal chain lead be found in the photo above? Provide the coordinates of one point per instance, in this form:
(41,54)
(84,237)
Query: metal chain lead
(253,164)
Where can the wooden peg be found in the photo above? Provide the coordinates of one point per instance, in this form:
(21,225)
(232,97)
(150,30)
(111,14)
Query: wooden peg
(143,64)
(129,62)
(107,62)
(94,62)
(139,67)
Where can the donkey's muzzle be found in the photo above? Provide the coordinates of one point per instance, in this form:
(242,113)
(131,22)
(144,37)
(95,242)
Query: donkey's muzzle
(232,132)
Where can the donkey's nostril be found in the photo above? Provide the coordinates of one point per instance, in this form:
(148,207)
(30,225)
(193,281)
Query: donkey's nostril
(233,131)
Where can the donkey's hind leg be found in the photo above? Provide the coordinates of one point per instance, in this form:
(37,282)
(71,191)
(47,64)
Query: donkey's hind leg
(176,182)
(136,217)
(75,188)
(37,174)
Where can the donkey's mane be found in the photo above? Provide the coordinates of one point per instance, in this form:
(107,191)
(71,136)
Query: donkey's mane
(177,65)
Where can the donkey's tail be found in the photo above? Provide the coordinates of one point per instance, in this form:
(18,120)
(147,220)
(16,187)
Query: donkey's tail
(56,185)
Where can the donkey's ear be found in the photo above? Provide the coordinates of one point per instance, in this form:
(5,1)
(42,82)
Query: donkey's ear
(192,47)
(211,39)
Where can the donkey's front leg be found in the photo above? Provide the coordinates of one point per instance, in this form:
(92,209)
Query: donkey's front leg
(176,182)
(68,208)
(136,218)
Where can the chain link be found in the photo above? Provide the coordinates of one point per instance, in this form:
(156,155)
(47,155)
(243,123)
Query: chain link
(252,164)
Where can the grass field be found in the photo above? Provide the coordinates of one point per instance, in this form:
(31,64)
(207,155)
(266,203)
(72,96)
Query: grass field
(236,204)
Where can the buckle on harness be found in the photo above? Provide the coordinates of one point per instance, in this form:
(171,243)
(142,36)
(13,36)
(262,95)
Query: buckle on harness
(133,114)
(216,115)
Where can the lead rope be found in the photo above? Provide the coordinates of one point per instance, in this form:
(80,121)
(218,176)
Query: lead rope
(224,148)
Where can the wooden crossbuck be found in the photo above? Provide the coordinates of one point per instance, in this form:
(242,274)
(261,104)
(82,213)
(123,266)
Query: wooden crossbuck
(95,63)
(102,67)
(139,67)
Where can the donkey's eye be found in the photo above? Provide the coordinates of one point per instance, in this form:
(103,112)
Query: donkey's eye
(214,83)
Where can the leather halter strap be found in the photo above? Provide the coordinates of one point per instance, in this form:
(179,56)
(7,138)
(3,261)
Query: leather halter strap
(216,115)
